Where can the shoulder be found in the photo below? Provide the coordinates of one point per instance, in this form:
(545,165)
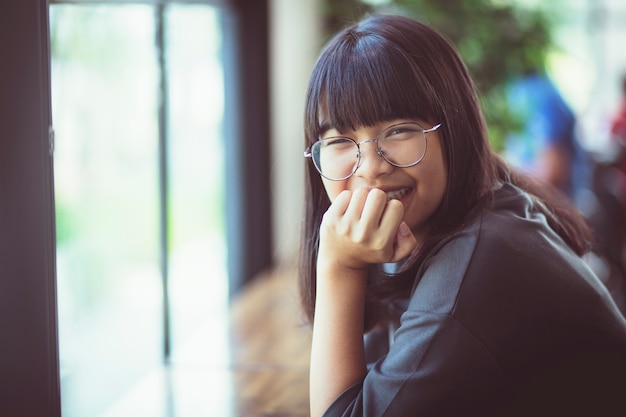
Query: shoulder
(509,245)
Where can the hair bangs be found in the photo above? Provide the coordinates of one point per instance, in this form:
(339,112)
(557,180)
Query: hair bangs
(363,79)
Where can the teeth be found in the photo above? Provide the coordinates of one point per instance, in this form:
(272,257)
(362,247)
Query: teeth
(398,194)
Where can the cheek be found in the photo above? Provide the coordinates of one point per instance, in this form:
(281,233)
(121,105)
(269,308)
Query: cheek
(437,173)
(431,179)
(439,178)
(334,188)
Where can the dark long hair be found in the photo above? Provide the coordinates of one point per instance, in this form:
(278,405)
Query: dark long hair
(392,67)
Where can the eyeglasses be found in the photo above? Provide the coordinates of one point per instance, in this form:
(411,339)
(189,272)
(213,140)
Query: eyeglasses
(403,145)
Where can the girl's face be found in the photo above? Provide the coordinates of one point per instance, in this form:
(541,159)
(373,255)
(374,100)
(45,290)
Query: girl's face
(420,188)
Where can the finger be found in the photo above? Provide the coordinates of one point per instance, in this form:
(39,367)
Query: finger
(373,208)
(355,207)
(340,204)
(404,244)
(392,216)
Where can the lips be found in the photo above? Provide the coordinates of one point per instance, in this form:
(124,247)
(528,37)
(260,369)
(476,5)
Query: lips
(398,194)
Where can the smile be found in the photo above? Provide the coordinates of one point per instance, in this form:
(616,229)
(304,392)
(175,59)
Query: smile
(398,194)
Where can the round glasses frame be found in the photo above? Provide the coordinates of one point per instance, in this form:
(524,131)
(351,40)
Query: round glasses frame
(309,154)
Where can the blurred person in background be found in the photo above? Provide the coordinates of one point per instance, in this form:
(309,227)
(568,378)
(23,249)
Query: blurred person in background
(618,124)
(545,146)
(608,219)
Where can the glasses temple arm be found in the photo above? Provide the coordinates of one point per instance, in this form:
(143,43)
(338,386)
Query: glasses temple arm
(433,128)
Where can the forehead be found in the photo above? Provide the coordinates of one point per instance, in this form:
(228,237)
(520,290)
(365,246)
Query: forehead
(336,126)
(327,128)
(366,82)
(344,112)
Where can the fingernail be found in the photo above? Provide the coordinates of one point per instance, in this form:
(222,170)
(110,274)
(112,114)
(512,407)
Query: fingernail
(404,229)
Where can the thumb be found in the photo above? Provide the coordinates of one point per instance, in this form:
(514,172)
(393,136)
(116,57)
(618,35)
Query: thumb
(405,242)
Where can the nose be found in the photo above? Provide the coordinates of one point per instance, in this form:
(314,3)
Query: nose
(372,163)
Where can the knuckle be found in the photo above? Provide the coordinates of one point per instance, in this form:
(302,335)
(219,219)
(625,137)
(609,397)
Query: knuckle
(380,244)
(361,237)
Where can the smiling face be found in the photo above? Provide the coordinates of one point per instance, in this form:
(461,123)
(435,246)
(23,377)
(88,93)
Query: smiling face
(384,70)
(420,188)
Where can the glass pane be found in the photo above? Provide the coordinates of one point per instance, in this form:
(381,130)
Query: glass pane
(104,101)
(197,274)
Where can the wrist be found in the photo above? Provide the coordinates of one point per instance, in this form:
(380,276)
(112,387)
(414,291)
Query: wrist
(333,259)
(339,270)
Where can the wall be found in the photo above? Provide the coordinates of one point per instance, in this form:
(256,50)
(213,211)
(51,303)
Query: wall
(295,38)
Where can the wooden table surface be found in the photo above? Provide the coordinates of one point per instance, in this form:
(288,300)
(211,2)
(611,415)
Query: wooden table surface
(270,349)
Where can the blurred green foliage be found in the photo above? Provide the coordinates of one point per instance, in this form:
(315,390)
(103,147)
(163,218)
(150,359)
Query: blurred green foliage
(498,40)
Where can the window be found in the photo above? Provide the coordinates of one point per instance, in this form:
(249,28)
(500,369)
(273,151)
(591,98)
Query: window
(28,307)
(137,104)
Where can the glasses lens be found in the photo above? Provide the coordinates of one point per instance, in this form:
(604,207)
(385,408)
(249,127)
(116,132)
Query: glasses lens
(335,158)
(403,144)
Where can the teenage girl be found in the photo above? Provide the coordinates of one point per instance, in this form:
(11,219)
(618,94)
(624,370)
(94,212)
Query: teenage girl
(415,229)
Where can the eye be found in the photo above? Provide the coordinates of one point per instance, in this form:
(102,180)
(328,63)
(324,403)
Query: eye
(402,132)
(338,142)
(397,131)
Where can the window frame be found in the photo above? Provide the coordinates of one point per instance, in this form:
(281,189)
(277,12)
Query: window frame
(29,360)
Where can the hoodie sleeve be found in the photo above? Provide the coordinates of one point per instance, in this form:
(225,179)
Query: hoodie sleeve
(436,366)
